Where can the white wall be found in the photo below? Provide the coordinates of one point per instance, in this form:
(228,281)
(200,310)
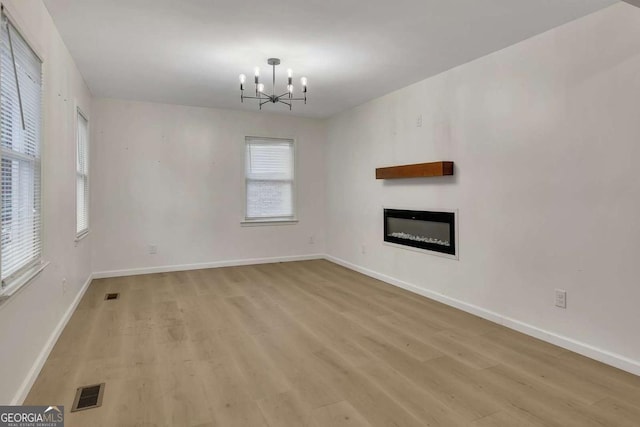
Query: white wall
(173,176)
(546,139)
(30,319)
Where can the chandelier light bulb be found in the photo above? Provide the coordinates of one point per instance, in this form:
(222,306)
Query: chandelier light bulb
(257,71)
(290,73)
(290,88)
(260,87)
(303,81)
(243,78)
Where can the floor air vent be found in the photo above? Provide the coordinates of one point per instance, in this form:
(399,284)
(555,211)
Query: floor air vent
(88,397)
(108,297)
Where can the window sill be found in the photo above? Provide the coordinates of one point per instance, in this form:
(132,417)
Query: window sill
(21,282)
(259,222)
(82,235)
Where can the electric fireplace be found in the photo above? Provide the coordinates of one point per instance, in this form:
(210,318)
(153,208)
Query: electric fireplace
(432,231)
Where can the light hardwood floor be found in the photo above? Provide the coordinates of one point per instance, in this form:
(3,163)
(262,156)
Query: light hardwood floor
(313,344)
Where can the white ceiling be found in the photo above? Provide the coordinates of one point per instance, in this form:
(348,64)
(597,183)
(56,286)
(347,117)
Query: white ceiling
(191,51)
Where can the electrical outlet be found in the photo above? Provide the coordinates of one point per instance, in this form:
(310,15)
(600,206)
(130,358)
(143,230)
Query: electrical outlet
(312,240)
(153,249)
(419,121)
(64,286)
(363,249)
(561,298)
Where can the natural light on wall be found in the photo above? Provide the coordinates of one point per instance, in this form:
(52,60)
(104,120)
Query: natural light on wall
(20,122)
(270,189)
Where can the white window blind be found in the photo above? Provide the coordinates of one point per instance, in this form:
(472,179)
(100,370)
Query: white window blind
(269,179)
(82,176)
(20,119)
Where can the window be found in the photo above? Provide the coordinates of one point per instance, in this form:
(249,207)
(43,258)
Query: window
(20,118)
(269,179)
(82,177)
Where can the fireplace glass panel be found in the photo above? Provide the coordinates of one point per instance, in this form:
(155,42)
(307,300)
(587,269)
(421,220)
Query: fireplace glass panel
(433,231)
(436,233)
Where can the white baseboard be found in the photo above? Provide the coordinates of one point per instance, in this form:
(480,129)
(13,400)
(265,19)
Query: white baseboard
(200,266)
(604,356)
(24,389)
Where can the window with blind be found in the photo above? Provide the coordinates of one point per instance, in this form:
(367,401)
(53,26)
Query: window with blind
(82,176)
(20,121)
(270,189)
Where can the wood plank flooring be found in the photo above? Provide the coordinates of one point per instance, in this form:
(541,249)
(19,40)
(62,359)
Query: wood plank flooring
(313,344)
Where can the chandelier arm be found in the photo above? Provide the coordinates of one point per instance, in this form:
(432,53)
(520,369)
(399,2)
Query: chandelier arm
(286,103)
(264,96)
(262,103)
(288,99)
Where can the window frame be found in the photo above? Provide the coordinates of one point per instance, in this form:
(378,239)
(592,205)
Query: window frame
(288,220)
(83,233)
(24,276)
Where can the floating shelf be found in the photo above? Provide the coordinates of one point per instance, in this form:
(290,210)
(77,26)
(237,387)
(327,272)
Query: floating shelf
(418,170)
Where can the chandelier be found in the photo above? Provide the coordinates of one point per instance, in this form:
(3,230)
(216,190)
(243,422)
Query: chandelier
(263,98)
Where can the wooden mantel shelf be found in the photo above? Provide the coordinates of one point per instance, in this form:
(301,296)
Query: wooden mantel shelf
(418,170)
